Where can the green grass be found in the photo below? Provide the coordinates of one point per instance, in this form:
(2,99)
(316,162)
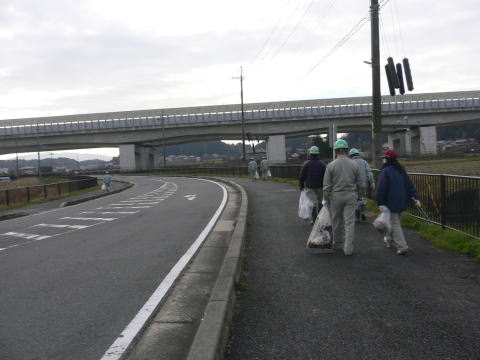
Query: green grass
(441,238)
(241,286)
(41,201)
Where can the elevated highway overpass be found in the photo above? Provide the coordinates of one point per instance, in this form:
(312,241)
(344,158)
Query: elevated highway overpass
(139,133)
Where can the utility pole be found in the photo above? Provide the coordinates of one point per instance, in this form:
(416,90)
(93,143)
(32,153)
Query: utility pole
(163,142)
(376,94)
(243,113)
(38,154)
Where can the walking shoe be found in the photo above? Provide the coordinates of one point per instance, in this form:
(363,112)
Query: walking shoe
(364,218)
(402,251)
(387,241)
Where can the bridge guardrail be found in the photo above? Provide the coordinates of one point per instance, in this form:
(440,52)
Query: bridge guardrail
(363,108)
(22,195)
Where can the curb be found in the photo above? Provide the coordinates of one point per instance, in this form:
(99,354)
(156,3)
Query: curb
(88,198)
(212,335)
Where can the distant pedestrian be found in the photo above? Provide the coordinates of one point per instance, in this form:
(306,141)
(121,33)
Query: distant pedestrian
(107,180)
(252,169)
(264,168)
(366,178)
(340,191)
(311,178)
(394,190)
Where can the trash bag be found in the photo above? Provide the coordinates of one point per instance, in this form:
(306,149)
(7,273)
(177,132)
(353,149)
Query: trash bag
(104,187)
(269,174)
(382,222)
(256,174)
(305,205)
(321,234)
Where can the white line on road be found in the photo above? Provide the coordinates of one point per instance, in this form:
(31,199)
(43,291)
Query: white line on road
(88,218)
(109,212)
(63,226)
(130,333)
(26,236)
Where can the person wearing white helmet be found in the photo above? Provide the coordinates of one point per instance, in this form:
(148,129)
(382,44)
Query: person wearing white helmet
(311,177)
(366,177)
(107,180)
(340,193)
(264,168)
(252,169)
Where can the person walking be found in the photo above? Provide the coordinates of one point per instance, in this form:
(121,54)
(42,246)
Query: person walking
(311,177)
(366,178)
(264,168)
(394,190)
(107,180)
(252,169)
(340,193)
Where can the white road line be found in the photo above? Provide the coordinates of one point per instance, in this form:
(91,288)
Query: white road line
(27,236)
(123,206)
(63,226)
(128,335)
(88,218)
(109,212)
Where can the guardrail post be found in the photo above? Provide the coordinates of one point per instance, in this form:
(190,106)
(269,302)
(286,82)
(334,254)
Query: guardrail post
(59,190)
(7,197)
(69,186)
(28,194)
(443,200)
(44,191)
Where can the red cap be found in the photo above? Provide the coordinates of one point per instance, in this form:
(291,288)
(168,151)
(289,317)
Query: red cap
(390,154)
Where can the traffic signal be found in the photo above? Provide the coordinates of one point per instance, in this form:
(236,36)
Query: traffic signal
(400,78)
(393,72)
(408,74)
(391,86)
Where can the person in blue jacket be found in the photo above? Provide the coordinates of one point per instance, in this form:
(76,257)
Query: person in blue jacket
(311,177)
(394,190)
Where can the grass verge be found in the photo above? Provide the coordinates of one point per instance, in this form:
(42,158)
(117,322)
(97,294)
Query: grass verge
(440,238)
(41,201)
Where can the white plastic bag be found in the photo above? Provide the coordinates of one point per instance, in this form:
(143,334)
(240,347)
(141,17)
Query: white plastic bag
(382,222)
(269,174)
(104,187)
(305,205)
(256,174)
(321,235)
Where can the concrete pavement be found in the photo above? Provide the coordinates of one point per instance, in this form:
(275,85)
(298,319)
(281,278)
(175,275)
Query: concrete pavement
(372,305)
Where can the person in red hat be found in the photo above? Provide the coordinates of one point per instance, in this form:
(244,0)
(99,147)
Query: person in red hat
(394,190)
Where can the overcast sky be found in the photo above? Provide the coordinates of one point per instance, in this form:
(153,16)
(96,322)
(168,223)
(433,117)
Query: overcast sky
(81,56)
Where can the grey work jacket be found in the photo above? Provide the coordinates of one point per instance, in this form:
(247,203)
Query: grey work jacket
(341,176)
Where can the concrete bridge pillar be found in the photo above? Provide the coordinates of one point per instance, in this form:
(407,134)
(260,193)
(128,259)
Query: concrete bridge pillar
(416,141)
(276,152)
(158,157)
(136,157)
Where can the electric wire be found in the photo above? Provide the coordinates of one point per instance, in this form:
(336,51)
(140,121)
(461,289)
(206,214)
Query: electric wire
(395,3)
(269,36)
(293,30)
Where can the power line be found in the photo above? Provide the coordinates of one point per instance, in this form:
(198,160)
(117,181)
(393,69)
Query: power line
(339,44)
(347,37)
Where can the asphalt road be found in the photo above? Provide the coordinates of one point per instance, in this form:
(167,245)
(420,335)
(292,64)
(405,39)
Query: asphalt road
(72,279)
(372,305)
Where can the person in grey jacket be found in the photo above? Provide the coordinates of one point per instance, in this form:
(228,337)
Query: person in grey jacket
(366,178)
(107,180)
(252,169)
(264,168)
(340,192)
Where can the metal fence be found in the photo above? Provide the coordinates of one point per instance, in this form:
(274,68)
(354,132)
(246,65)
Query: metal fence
(24,195)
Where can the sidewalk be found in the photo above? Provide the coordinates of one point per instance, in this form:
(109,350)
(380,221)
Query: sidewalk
(372,305)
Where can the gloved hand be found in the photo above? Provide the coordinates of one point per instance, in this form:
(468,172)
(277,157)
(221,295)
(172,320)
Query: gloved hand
(372,186)
(324,202)
(417,203)
(383,208)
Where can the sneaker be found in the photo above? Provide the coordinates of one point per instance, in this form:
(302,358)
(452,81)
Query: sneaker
(402,251)
(364,218)
(387,241)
